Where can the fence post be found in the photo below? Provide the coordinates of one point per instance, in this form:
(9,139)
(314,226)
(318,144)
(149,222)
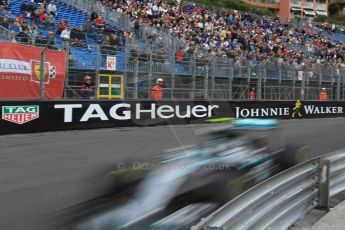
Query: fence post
(303,85)
(66,70)
(150,75)
(343,83)
(280,66)
(324,184)
(331,97)
(193,75)
(213,78)
(42,64)
(338,87)
(280,73)
(98,66)
(206,82)
(230,79)
(249,72)
(320,80)
(294,83)
(259,91)
(172,81)
(127,67)
(42,69)
(135,78)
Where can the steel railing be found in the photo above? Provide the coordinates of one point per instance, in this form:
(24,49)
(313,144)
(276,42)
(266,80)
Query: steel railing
(220,78)
(5,34)
(280,201)
(336,172)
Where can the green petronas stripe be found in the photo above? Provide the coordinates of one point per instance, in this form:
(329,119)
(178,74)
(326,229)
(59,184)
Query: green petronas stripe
(221,119)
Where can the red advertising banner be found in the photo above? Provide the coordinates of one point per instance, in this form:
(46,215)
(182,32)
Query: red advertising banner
(20,72)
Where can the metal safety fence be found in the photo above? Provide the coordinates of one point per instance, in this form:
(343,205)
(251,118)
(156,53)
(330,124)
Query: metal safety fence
(194,76)
(153,52)
(280,201)
(191,75)
(207,77)
(4,33)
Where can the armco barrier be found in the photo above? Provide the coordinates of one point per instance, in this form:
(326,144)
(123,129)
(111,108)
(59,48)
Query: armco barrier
(280,201)
(336,172)
(40,116)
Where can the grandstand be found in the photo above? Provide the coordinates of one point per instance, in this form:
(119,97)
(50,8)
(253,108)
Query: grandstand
(202,53)
(64,11)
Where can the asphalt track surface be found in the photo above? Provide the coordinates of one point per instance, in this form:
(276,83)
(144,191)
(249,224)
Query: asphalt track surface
(42,174)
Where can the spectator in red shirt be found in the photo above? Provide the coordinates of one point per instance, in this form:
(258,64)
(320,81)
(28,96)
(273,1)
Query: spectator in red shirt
(41,16)
(20,19)
(99,22)
(323,95)
(179,55)
(252,95)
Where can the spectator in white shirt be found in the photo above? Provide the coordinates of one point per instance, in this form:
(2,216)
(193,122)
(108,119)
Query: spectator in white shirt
(49,18)
(65,37)
(65,34)
(52,8)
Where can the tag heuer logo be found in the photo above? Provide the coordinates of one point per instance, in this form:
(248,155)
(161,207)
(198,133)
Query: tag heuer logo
(20,114)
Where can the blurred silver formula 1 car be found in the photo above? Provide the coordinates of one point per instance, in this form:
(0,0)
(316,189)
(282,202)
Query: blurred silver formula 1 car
(192,181)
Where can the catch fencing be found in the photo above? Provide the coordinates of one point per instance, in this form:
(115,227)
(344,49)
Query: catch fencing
(280,201)
(205,77)
(4,33)
(192,75)
(196,76)
(155,53)
(211,77)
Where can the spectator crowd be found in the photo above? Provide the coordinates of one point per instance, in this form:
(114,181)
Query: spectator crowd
(25,27)
(38,15)
(245,38)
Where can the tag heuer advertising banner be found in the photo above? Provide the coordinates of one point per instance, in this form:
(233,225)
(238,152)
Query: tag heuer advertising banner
(40,116)
(20,72)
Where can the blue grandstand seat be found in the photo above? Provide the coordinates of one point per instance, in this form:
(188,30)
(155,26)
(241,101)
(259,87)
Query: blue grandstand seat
(179,69)
(120,63)
(339,38)
(3,38)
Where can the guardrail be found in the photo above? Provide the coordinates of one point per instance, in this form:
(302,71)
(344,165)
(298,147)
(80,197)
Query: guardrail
(280,201)
(336,173)
(4,33)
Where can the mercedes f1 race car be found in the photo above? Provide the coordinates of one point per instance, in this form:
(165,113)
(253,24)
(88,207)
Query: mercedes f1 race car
(190,182)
